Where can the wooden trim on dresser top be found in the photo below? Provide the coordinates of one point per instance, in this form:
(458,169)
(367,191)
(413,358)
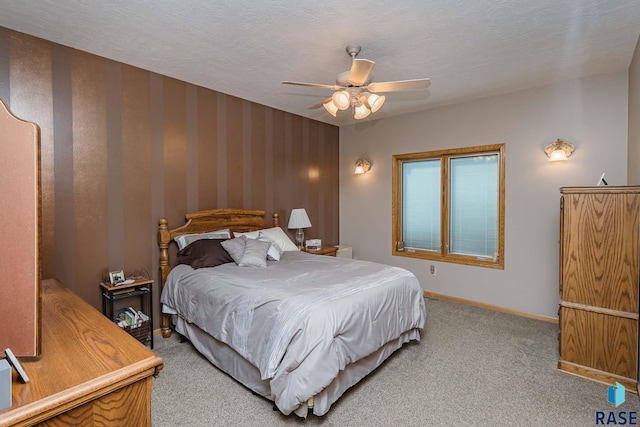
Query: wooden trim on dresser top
(622,189)
(236,220)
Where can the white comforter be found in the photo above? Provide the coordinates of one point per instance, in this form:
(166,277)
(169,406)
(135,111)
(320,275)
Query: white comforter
(301,319)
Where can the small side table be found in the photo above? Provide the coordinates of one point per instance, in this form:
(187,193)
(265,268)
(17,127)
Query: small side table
(141,287)
(324,250)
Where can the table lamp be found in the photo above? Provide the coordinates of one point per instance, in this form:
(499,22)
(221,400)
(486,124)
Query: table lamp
(299,220)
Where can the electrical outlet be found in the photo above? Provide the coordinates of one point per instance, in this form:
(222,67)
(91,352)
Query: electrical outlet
(433,270)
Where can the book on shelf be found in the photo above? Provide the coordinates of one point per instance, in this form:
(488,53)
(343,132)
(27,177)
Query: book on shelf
(130,317)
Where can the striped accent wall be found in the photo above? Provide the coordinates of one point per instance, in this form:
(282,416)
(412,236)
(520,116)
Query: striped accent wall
(123,147)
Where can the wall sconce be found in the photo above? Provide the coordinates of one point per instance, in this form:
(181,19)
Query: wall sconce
(559,150)
(362,166)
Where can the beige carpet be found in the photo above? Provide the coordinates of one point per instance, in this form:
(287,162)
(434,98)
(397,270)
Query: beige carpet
(473,367)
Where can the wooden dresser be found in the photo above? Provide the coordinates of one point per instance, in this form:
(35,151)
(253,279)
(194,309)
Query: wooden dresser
(90,372)
(599,250)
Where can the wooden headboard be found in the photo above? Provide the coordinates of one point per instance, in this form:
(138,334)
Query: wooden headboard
(236,220)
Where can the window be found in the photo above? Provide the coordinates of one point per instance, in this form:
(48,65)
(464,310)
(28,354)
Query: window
(448,205)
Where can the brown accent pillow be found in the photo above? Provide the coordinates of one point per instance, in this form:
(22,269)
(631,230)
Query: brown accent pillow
(204,253)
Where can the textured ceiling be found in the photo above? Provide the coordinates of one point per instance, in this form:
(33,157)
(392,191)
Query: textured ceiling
(468,48)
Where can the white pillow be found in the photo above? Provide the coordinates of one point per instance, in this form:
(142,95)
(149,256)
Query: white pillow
(186,239)
(276,233)
(275,251)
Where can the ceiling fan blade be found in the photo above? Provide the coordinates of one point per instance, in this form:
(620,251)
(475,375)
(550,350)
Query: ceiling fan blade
(360,70)
(319,104)
(399,85)
(332,87)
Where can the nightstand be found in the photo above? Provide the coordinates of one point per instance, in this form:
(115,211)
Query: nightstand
(324,250)
(141,287)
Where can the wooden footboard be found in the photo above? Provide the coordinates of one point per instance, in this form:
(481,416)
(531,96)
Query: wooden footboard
(236,220)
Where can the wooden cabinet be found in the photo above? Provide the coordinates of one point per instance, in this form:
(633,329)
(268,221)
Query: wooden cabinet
(90,371)
(599,281)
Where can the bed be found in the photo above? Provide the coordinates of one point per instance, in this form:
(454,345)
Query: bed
(299,331)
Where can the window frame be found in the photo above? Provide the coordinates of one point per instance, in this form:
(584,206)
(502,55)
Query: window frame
(397,246)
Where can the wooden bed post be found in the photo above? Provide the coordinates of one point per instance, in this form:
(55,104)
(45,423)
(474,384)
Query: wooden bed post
(276,219)
(164,237)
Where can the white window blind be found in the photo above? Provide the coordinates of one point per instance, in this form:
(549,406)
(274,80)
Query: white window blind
(421,190)
(473,210)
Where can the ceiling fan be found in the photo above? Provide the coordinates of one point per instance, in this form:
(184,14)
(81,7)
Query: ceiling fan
(354,88)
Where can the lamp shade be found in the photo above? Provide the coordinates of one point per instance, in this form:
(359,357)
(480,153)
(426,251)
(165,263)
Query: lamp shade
(361,112)
(559,150)
(375,101)
(362,166)
(299,219)
(557,155)
(331,108)
(341,99)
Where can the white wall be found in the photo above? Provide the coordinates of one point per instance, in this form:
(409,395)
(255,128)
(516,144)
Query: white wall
(633,158)
(591,113)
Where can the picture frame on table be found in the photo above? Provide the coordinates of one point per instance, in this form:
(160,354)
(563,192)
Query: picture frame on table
(116,277)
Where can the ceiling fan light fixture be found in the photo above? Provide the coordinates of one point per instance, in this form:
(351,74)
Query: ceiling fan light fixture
(375,101)
(361,112)
(354,88)
(341,99)
(331,108)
